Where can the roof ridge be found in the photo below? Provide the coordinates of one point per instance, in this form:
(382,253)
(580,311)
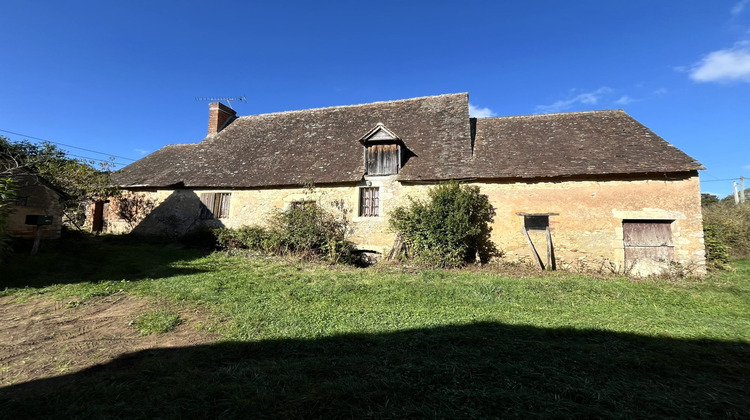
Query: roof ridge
(179,144)
(554,114)
(420,98)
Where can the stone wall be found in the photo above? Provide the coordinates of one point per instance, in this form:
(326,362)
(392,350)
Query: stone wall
(585,222)
(35,198)
(586,227)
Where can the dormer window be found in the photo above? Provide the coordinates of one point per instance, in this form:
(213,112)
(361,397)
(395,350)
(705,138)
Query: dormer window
(383,151)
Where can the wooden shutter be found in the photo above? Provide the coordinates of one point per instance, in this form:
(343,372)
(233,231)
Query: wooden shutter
(222,205)
(207,205)
(382,159)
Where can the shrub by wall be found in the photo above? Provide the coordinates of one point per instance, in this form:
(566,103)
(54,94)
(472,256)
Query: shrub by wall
(310,232)
(450,228)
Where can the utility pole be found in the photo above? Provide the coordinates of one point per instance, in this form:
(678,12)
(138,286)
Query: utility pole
(742,190)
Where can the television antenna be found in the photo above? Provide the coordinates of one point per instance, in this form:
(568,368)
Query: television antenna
(228,99)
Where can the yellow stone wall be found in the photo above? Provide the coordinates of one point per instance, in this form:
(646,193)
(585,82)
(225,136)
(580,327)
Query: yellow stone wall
(586,229)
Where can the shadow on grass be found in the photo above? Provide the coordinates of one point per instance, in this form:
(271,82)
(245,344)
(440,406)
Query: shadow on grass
(464,371)
(78,258)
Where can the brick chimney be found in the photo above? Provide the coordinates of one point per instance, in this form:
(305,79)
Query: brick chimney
(219,115)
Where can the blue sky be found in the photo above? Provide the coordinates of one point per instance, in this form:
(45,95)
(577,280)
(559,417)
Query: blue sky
(122,77)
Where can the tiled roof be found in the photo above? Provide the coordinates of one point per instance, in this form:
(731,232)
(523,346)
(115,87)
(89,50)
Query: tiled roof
(574,143)
(322,145)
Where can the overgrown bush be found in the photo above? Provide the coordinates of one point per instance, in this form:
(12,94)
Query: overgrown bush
(717,252)
(727,224)
(246,237)
(449,229)
(309,232)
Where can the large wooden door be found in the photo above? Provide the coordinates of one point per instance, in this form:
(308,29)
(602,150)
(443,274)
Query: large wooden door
(648,245)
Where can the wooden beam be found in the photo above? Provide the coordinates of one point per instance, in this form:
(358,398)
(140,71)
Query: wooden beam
(533,250)
(550,252)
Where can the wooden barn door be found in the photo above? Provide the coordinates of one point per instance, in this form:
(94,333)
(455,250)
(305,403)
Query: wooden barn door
(648,245)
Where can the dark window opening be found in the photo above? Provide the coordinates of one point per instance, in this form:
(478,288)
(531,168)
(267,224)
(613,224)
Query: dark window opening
(536,222)
(215,205)
(369,202)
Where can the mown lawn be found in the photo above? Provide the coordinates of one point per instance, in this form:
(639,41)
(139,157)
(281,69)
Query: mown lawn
(308,340)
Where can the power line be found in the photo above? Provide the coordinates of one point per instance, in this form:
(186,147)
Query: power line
(721,180)
(67,145)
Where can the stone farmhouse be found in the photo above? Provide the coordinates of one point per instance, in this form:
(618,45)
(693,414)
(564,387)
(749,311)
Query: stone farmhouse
(578,189)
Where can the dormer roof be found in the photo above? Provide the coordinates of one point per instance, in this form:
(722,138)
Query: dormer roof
(379,134)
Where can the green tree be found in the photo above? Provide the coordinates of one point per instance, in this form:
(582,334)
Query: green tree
(7,198)
(708,199)
(79,179)
(449,229)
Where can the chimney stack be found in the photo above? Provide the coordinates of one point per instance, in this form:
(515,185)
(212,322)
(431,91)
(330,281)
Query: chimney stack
(219,116)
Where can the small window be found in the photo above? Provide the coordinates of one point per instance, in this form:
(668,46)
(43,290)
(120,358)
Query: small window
(215,205)
(369,202)
(536,222)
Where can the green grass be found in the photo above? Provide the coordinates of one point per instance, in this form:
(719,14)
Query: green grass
(308,340)
(157,322)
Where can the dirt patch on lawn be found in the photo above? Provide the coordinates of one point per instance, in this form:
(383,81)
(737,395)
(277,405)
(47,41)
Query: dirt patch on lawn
(43,337)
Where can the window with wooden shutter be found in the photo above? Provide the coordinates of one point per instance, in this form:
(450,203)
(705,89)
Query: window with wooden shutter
(215,205)
(369,202)
(382,159)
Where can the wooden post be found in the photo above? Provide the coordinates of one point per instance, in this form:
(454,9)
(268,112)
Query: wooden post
(531,246)
(37,239)
(550,252)
(742,190)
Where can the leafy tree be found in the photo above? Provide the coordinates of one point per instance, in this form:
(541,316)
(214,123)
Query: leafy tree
(79,179)
(449,229)
(7,197)
(708,199)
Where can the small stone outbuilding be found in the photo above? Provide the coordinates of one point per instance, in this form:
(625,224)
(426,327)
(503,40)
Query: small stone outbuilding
(580,189)
(35,197)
